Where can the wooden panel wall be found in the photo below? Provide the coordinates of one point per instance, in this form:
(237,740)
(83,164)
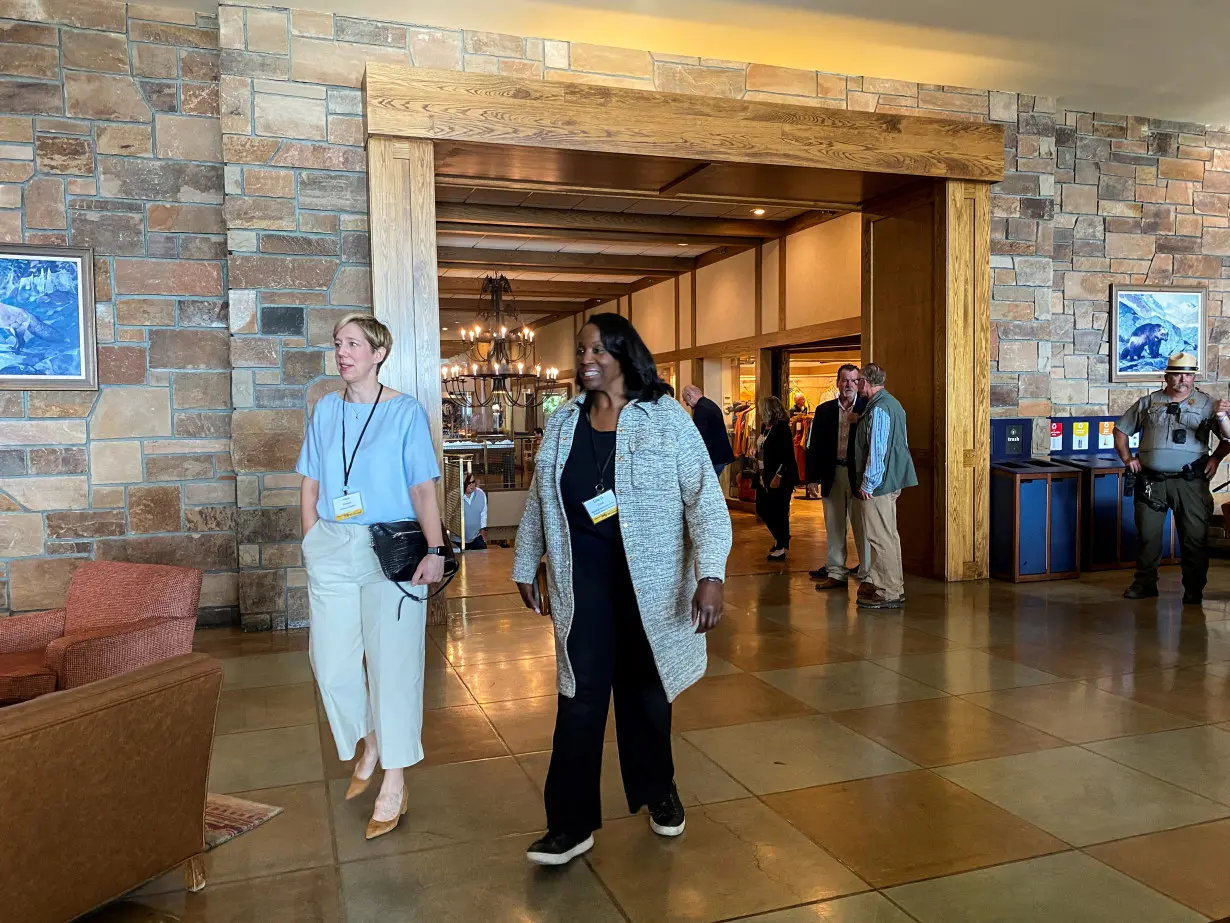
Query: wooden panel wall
(900,295)
(963,497)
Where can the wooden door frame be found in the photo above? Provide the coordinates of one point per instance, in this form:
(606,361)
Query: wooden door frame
(408,109)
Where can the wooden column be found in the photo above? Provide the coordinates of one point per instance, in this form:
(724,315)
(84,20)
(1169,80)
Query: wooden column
(405,296)
(963,406)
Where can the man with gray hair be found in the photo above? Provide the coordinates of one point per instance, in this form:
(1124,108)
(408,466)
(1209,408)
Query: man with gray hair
(712,426)
(882,469)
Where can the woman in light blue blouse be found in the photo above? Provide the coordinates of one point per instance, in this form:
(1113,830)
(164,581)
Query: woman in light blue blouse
(368,458)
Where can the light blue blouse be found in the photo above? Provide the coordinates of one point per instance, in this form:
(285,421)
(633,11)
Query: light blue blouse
(396,454)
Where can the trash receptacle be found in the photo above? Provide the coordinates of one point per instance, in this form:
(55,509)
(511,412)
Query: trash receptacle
(1035,520)
(1108,518)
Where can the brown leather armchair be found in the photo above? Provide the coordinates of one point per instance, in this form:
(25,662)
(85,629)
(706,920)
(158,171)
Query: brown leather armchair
(117,617)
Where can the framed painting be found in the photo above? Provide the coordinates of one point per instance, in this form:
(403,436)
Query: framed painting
(1149,324)
(47,337)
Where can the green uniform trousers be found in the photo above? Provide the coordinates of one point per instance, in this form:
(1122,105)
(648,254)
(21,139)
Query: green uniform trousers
(1193,505)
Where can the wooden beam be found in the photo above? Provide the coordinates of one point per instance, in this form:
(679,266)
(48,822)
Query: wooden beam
(406,102)
(564,219)
(516,232)
(683,178)
(565,261)
(458,285)
(829,330)
(524,305)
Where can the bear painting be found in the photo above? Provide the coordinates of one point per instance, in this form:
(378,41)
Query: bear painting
(1149,324)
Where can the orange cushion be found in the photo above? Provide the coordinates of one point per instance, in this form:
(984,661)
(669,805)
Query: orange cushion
(25,676)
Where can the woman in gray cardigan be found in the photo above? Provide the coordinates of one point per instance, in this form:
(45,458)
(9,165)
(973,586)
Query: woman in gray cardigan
(628,511)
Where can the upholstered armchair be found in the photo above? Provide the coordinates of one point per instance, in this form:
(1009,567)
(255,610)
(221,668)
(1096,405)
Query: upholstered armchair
(117,617)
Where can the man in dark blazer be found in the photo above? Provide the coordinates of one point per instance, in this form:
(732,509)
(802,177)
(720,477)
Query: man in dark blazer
(830,457)
(712,425)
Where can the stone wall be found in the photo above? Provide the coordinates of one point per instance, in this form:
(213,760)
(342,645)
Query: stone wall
(109,139)
(1090,199)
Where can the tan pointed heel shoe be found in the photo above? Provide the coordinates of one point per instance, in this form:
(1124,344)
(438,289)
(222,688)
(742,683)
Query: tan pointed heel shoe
(377,828)
(358,785)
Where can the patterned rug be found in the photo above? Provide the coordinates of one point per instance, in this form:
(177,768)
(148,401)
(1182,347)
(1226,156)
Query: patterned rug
(227,817)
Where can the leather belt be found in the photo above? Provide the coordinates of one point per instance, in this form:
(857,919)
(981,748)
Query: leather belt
(843,462)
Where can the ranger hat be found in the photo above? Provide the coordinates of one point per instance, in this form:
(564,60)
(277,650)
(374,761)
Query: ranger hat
(1183,362)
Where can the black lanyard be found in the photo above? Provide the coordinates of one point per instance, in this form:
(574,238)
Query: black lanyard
(347,467)
(600,487)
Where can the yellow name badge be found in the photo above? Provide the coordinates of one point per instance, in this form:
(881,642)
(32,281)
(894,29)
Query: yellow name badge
(602,506)
(347,506)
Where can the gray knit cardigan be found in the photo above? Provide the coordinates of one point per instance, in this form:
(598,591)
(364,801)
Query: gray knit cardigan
(674,523)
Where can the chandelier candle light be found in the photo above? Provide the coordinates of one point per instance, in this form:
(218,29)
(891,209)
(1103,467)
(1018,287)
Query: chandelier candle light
(499,351)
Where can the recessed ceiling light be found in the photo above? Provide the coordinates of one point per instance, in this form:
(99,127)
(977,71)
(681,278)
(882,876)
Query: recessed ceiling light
(757,212)
(680,245)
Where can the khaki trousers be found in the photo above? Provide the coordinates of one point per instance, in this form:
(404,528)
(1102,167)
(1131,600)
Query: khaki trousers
(368,662)
(879,515)
(840,514)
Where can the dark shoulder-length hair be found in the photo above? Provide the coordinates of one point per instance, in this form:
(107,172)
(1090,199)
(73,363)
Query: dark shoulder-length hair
(620,339)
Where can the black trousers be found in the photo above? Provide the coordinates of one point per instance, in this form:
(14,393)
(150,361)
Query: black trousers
(608,651)
(773,508)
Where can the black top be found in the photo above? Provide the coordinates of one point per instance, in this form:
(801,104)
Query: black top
(779,457)
(590,449)
(822,449)
(712,426)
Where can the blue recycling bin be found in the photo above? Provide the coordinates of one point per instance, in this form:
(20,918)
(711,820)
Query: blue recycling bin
(1035,520)
(1108,534)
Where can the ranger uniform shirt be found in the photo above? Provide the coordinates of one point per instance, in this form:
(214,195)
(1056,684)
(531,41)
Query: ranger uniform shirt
(1173,434)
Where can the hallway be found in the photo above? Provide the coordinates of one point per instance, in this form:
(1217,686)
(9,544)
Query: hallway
(1041,752)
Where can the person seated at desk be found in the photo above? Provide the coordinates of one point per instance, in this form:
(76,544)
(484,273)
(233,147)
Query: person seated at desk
(475,501)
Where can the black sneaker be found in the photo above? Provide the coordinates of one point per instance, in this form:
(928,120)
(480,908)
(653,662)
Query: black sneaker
(1139,591)
(819,573)
(666,817)
(558,849)
(1193,597)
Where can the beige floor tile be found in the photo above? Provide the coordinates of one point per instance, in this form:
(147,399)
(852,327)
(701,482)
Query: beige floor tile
(251,671)
(497,647)
(1201,693)
(456,803)
(1197,759)
(842,686)
(298,838)
(939,732)
(311,896)
(502,621)
(455,735)
(265,759)
(513,679)
(266,707)
(527,725)
(774,756)
(698,778)
(860,908)
(963,672)
(776,650)
(736,858)
(444,689)
(1188,864)
(719,667)
(473,883)
(1067,888)
(1081,797)
(1077,712)
(907,827)
(717,701)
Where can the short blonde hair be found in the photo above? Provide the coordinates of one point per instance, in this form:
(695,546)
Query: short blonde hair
(378,336)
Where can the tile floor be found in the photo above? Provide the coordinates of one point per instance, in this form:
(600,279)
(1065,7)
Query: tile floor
(1042,753)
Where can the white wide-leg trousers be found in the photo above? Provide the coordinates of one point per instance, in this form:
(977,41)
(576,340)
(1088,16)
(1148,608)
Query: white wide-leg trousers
(368,663)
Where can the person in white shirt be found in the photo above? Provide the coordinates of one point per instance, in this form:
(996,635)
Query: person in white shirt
(475,501)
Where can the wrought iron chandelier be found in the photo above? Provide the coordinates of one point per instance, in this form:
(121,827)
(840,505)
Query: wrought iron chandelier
(498,371)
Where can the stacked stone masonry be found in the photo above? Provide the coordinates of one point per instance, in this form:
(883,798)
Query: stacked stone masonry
(104,116)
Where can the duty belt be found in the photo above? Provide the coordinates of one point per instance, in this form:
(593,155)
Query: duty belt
(1191,472)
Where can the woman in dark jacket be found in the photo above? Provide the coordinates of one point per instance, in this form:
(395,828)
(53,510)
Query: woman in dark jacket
(778,474)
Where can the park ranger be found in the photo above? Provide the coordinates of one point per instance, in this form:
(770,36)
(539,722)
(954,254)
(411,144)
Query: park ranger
(1172,470)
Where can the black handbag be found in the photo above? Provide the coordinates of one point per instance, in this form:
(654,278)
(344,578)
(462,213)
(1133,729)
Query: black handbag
(400,547)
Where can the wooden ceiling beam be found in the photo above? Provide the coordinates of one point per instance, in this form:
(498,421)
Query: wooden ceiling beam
(530,289)
(523,305)
(563,219)
(520,232)
(558,261)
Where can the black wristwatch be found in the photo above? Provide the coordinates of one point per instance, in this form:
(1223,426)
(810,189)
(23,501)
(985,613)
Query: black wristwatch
(437,550)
